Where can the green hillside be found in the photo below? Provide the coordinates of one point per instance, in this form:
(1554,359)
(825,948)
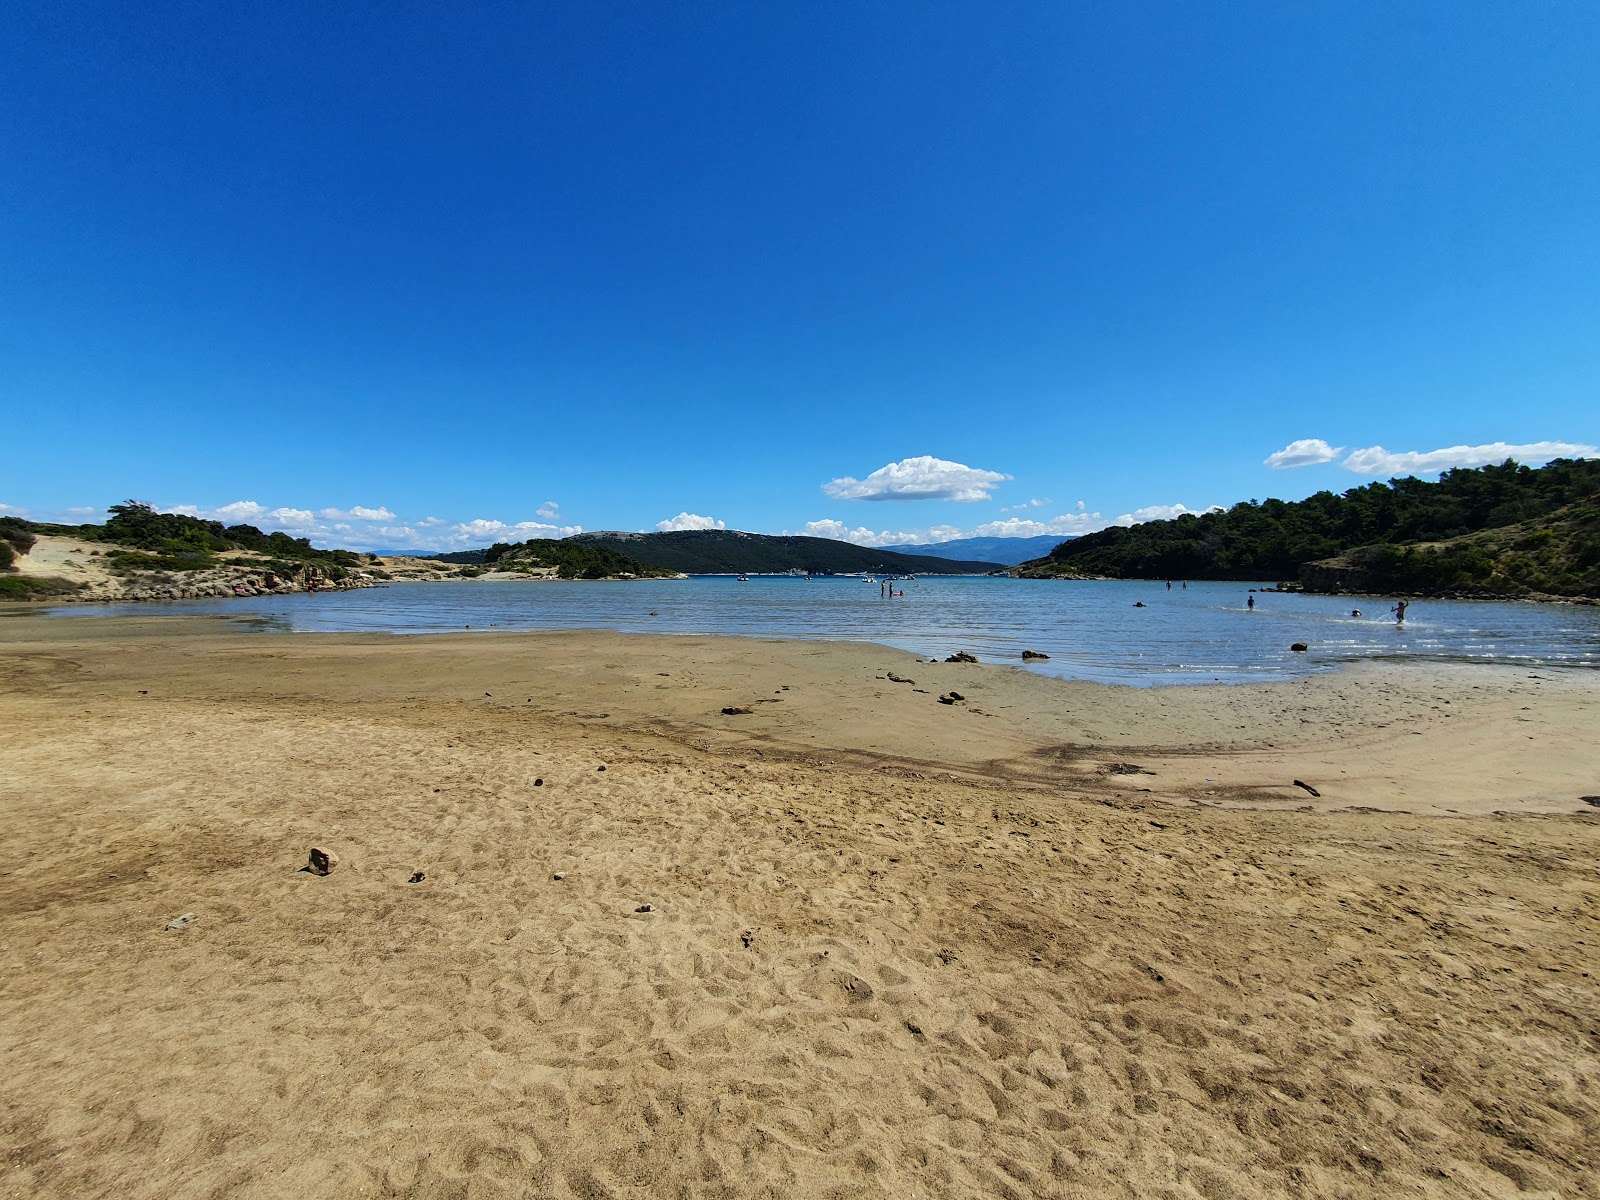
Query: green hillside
(727,551)
(140,538)
(1404,535)
(572,560)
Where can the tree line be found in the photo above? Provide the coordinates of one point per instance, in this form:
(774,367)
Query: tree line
(1273,539)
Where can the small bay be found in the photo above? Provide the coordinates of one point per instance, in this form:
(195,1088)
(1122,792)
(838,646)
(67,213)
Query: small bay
(1093,630)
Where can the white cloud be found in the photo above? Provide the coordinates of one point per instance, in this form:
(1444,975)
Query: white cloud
(1306,452)
(250,512)
(1022,527)
(549,510)
(1375,460)
(357,513)
(229,514)
(333,527)
(862,536)
(292,520)
(1065,525)
(11,508)
(921,478)
(1161,512)
(501,531)
(688,520)
(80,510)
(435,534)
(1026,505)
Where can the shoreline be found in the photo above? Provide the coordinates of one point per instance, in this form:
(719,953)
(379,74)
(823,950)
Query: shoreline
(591,934)
(1355,721)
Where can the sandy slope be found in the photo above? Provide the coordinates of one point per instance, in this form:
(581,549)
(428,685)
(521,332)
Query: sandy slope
(894,947)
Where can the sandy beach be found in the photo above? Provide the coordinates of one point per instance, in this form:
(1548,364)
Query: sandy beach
(1055,939)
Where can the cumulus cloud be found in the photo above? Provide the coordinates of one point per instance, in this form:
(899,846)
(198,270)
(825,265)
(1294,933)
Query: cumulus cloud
(229,514)
(357,513)
(549,510)
(1306,452)
(921,478)
(1026,505)
(1063,526)
(249,512)
(362,528)
(1161,512)
(1375,460)
(432,534)
(688,520)
(862,536)
(1084,522)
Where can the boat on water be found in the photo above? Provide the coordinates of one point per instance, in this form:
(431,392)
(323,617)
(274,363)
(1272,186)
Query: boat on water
(744,579)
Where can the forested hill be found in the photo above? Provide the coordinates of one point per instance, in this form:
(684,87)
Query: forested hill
(1499,529)
(728,551)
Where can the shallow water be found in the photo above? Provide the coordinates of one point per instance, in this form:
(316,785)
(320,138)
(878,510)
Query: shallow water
(1090,629)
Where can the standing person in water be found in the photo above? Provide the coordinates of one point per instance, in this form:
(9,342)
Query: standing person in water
(1400,613)
(1251,604)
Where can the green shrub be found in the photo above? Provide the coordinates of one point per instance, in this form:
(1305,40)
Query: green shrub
(127,562)
(29,587)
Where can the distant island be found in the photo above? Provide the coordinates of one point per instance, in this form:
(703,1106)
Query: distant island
(730,552)
(1496,531)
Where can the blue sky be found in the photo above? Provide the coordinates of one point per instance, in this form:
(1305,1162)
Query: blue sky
(435,275)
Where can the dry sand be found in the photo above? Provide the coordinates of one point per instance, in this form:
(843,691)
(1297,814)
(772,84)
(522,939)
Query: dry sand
(893,947)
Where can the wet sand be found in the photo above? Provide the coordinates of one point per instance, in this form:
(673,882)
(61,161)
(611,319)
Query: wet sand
(1056,939)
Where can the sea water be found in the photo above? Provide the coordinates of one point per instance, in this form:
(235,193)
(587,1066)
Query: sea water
(1090,629)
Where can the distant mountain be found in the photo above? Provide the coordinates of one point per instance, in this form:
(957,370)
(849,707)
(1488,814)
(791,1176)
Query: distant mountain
(728,551)
(1006,550)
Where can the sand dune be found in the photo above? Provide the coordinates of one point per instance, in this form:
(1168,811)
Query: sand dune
(892,948)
